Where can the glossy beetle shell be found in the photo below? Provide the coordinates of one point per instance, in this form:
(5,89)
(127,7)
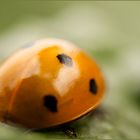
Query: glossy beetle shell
(49,83)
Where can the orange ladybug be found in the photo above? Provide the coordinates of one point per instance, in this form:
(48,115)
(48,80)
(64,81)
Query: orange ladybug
(52,82)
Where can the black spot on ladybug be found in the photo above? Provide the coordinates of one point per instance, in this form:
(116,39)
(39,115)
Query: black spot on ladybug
(50,102)
(64,59)
(93,86)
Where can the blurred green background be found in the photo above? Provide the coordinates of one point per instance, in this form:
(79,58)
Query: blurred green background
(110,32)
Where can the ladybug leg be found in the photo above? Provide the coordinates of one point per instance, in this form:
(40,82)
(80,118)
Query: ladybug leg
(69,131)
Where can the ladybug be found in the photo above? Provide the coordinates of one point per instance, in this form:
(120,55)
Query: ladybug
(49,83)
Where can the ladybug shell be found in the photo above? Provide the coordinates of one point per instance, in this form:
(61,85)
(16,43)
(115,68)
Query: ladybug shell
(49,83)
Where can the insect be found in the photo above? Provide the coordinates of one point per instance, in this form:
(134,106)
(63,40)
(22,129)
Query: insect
(50,83)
